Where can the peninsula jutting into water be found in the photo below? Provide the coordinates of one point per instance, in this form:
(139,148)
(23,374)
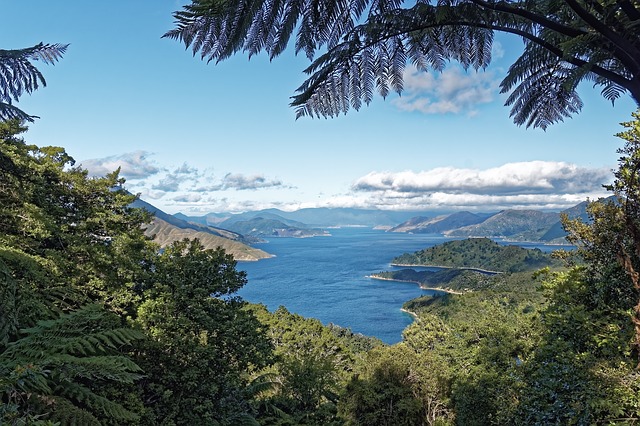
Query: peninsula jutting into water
(326,278)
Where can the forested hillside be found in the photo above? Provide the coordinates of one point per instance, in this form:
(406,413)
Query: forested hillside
(97,325)
(100,325)
(165,234)
(478,253)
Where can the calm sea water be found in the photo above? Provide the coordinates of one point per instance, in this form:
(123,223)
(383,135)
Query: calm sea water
(325,278)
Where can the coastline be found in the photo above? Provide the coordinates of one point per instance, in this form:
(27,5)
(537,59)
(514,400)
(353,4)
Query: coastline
(413,314)
(466,268)
(423,287)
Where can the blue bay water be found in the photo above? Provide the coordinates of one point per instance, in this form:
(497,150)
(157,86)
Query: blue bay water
(325,278)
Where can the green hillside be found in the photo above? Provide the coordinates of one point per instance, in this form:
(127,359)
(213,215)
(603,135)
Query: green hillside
(165,234)
(268,227)
(480,253)
(517,225)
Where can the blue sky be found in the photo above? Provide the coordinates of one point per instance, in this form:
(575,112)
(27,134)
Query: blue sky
(197,138)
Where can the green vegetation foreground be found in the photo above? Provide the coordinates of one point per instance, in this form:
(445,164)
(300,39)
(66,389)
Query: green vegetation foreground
(98,326)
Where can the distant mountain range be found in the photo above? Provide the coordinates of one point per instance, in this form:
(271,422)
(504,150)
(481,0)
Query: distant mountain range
(439,224)
(272,227)
(235,232)
(515,225)
(311,218)
(167,228)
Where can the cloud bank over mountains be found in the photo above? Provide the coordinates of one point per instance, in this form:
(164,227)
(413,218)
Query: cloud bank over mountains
(531,184)
(531,177)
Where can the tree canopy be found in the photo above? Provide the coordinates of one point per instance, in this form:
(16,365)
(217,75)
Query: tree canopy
(358,47)
(97,325)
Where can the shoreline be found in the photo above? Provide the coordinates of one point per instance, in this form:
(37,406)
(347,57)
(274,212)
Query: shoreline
(413,314)
(422,287)
(466,268)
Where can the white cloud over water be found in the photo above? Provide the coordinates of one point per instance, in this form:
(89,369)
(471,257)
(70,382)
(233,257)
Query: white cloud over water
(532,177)
(548,185)
(532,184)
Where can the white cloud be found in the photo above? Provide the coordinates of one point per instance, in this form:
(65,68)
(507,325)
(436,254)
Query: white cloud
(187,188)
(241,182)
(452,91)
(187,198)
(172,181)
(533,184)
(532,177)
(133,165)
(497,50)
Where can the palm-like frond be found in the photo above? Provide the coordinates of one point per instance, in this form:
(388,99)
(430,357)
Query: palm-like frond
(60,360)
(18,75)
(367,44)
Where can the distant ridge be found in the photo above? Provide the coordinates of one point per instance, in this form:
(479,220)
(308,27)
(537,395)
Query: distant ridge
(315,217)
(210,219)
(514,225)
(271,226)
(165,233)
(556,231)
(167,228)
(521,225)
(439,224)
(180,223)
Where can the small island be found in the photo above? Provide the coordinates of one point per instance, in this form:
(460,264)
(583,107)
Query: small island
(466,265)
(482,254)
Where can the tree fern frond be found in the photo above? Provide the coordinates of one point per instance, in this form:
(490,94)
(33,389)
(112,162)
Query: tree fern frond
(64,412)
(18,75)
(366,76)
(70,351)
(612,91)
(398,62)
(543,99)
(91,402)
(266,382)
(47,53)
(376,38)
(243,419)
(355,86)
(11,112)
(71,334)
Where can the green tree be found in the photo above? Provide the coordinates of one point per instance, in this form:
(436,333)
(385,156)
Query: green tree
(202,345)
(610,244)
(60,346)
(83,227)
(86,301)
(364,46)
(581,371)
(312,364)
(385,391)
(18,75)
(585,368)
